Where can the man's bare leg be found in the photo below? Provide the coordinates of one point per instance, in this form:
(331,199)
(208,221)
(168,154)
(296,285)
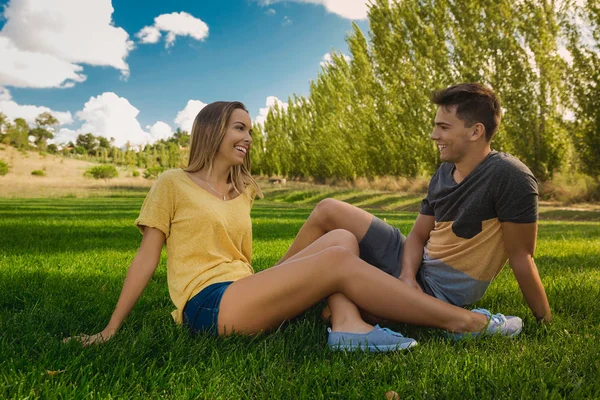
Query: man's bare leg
(328,215)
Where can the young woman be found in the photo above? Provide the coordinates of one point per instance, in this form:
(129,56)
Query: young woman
(203,215)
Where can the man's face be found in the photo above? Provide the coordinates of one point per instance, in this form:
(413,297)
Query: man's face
(451,135)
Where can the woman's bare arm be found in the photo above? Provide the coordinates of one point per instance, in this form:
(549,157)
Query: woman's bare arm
(140,271)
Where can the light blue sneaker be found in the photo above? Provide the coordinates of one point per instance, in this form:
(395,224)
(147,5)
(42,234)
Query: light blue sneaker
(498,324)
(378,340)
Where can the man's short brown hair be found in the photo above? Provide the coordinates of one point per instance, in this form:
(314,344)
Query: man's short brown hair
(475,103)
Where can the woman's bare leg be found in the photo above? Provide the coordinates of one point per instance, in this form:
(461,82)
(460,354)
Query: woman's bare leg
(345,316)
(346,239)
(266,299)
(342,313)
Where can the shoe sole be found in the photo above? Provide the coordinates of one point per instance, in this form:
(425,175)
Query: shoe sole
(477,335)
(373,348)
(515,333)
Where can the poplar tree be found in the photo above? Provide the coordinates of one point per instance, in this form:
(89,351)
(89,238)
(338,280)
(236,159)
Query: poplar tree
(585,73)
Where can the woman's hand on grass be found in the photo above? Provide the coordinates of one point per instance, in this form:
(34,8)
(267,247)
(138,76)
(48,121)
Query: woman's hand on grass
(88,340)
(138,275)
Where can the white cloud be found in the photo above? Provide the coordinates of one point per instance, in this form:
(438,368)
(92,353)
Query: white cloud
(64,136)
(109,115)
(271,11)
(175,24)
(286,21)
(160,130)
(35,70)
(185,118)
(105,115)
(58,35)
(149,34)
(270,103)
(28,112)
(327,59)
(349,9)
(5,94)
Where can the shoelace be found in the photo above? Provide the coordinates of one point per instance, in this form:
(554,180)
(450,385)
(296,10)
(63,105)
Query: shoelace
(499,319)
(391,332)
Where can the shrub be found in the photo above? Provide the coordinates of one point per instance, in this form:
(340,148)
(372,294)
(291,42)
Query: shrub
(153,172)
(2,148)
(571,187)
(3,168)
(38,172)
(135,173)
(102,172)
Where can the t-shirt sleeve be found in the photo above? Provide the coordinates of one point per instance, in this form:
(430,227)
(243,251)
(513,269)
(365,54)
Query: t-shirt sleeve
(426,207)
(250,191)
(517,197)
(157,209)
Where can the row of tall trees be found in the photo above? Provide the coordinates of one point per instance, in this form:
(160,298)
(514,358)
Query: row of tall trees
(371,116)
(585,86)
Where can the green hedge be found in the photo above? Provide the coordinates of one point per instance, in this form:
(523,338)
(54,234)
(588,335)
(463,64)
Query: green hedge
(153,172)
(3,168)
(102,172)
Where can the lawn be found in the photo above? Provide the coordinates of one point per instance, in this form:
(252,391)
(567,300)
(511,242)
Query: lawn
(63,260)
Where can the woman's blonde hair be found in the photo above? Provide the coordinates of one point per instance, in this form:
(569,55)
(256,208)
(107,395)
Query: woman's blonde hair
(208,130)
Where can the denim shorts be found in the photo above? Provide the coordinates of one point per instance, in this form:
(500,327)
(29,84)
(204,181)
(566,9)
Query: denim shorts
(201,313)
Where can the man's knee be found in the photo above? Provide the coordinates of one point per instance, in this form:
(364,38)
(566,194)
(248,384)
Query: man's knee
(325,213)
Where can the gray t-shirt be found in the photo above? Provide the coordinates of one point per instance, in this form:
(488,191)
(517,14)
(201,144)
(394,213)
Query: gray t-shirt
(465,250)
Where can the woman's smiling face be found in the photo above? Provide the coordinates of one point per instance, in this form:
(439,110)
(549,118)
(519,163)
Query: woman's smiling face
(236,143)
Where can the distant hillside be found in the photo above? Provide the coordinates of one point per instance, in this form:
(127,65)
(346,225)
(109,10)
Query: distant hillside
(63,177)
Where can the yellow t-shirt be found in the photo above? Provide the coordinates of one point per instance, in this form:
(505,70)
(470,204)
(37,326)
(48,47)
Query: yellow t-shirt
(208,240)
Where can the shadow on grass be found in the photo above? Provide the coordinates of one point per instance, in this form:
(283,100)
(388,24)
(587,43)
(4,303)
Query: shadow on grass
(84,215)
(35,238)
(359,198)
(388,200)
(273,230)
(65,205)
(561,266)
(324,195)
(570,215)
(285,213)
(133,189)
(568,230)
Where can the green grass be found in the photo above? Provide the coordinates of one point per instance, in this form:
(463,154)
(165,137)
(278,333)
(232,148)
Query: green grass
(62,263)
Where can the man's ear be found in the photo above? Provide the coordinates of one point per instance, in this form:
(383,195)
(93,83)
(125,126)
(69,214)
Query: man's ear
(478,131)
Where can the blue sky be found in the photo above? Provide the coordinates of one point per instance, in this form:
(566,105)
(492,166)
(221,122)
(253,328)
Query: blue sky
(92,68)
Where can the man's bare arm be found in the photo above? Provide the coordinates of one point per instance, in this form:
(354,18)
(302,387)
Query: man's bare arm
(412,255)
(519,241)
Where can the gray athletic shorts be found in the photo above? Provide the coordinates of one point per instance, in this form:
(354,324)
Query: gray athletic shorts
(382,247)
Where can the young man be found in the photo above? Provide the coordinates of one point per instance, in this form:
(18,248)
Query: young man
(479,213)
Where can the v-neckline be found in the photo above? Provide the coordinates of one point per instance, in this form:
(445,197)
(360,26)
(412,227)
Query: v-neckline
(207,191)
